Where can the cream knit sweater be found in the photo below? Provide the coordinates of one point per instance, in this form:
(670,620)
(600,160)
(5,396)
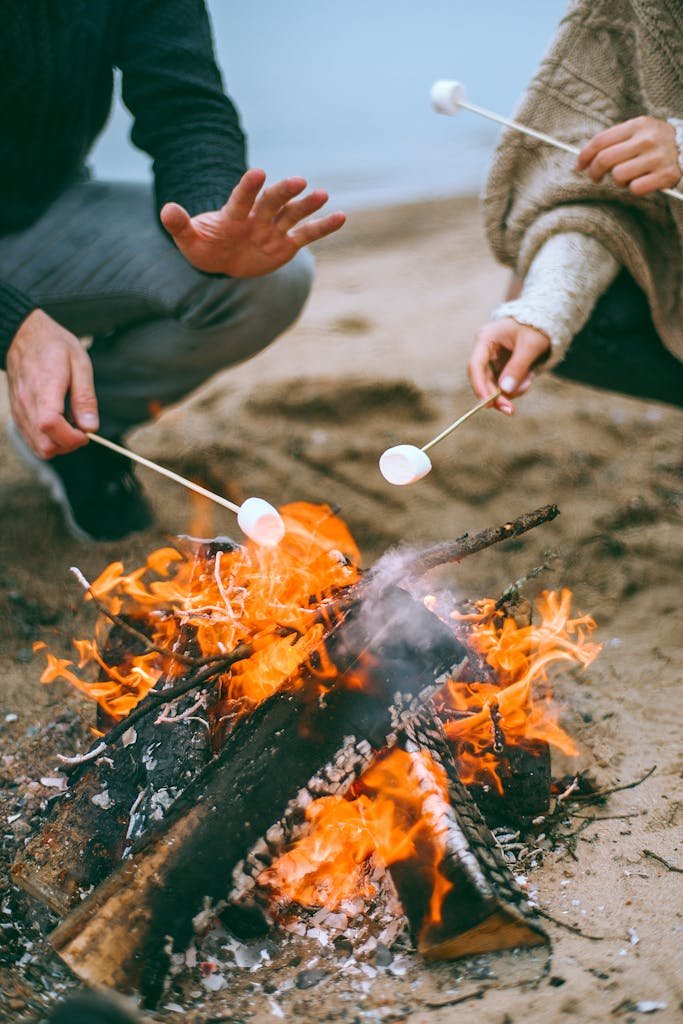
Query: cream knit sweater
(611,60)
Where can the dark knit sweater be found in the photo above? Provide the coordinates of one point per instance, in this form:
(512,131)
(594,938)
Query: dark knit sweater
(56,79)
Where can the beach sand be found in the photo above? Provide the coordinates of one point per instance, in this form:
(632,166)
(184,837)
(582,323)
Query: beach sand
(379,358)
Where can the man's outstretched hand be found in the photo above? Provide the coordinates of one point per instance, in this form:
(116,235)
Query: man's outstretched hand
(255,232)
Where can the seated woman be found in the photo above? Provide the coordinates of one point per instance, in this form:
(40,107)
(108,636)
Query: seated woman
(596,248)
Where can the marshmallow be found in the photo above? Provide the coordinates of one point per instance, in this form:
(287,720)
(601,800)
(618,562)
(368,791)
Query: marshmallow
(404,464)
(261,522)
(447,96)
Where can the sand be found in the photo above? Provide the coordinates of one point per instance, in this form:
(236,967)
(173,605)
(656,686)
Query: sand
(379,358)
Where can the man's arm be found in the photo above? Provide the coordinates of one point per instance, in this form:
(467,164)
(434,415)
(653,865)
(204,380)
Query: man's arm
(217,215)
(15,306)
(182,117)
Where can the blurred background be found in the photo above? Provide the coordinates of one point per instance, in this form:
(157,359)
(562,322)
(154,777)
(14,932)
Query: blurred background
(339,93)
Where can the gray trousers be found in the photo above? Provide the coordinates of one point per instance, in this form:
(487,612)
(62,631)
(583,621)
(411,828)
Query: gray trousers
(98,262)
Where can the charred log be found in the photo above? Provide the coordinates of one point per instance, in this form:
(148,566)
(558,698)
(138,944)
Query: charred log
(108,807)
(458,893)
(524,773)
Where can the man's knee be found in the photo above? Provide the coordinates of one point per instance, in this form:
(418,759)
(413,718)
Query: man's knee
(266,305)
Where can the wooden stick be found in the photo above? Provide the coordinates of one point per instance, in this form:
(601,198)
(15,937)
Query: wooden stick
(454,551)
(470,412)
(541,136)
(197,488)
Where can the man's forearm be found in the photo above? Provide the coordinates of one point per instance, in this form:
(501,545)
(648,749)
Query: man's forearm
(183,118)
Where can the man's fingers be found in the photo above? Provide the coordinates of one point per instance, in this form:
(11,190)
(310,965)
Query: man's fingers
(176,220)
(316,229)
(298,210)
(243,196)
(270,203)
(610,137)
(82,393)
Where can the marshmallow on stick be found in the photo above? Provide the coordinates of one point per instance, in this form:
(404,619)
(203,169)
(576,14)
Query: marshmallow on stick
(257,519)
(450,97)
(406,463)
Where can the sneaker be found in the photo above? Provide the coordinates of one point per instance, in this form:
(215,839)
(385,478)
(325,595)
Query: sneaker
(96,489)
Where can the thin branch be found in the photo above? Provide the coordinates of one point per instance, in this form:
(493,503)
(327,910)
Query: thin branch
(662,860)
(569,927)
(590,797)
(204,675)
(455,551)
(148,645)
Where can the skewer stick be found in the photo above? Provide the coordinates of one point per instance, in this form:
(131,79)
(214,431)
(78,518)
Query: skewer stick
(197,488)
(257,518)
(465,416)
(406,463)
(449,97)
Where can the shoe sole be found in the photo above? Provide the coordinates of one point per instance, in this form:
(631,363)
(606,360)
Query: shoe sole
(50,479)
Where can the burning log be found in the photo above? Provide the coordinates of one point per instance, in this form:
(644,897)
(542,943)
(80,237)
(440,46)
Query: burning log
(118,936)
(457,891)
(113,798)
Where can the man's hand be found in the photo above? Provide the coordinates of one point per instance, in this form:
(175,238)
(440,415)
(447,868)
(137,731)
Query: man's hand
(253,234)
(504,355)
(640,153)
(45,364)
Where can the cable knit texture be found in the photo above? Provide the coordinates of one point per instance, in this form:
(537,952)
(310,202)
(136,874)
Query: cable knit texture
(566,277)
(57,59)
(610,60)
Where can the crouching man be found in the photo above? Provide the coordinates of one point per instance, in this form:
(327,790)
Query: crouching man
(172,283)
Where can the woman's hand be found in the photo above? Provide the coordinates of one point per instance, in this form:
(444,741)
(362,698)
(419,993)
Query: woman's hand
(641,154)
(505,355)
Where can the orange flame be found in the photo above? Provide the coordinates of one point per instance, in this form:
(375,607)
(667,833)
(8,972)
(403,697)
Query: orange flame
(516,705)
(385,819)
(279,601)
(270,598)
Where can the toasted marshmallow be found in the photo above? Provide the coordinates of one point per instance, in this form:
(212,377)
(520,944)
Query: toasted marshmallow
(261,522)
(404,464)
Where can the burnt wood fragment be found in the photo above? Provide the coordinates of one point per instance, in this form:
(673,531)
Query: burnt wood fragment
(524,770)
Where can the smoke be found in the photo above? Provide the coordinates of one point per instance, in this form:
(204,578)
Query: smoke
(392,604)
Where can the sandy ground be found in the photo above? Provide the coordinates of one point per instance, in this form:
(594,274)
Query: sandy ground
(379,357)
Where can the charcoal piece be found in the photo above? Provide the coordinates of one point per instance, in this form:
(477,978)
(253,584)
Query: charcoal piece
(524,771)
(89,828)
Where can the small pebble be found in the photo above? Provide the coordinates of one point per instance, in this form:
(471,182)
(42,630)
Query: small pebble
(310,977)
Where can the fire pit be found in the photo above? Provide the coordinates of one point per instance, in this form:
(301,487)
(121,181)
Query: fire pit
(280,731)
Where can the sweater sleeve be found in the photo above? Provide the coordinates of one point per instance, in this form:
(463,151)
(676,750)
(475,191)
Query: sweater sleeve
(15,306)
(182,116)
(565,279)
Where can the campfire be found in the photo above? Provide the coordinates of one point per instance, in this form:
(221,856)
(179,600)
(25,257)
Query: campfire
(280,732)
